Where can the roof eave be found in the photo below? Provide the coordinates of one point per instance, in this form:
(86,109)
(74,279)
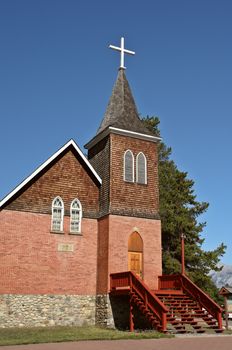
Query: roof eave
(122,132)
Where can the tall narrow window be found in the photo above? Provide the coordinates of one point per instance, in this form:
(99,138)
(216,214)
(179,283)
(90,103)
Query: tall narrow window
(128,166)
(57,214)
(141,169)
(75,216)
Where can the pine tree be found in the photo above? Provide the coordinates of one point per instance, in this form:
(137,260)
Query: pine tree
(179,212)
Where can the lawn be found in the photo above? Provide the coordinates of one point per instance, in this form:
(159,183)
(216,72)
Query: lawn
(16,336)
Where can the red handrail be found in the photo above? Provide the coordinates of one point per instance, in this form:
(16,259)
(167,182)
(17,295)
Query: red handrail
(192,289)
(151,301)
(204,300)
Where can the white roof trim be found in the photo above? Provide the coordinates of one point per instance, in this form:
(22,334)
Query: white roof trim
(47,162)
(123,132)
(135,134)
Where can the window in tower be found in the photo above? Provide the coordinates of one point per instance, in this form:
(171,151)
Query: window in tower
(141,169)
(75,216)
(128,166)
(57,214)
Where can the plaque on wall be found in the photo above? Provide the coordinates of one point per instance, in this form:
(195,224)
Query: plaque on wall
(65,247)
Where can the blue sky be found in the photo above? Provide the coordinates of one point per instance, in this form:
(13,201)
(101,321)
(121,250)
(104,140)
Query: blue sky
(56,76)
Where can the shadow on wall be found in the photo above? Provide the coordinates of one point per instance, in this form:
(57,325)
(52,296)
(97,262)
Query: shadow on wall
(121,311)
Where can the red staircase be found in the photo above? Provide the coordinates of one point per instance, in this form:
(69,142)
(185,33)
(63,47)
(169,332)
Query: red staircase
(140,296)
(178,306)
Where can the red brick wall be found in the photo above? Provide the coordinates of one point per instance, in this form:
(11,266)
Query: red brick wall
(67,178)
(30,262)
(132,198)
(103,255)
(120,228)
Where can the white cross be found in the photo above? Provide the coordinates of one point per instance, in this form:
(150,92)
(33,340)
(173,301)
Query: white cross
(123,51)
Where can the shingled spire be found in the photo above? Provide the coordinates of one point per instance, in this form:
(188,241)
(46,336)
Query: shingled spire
(121,111)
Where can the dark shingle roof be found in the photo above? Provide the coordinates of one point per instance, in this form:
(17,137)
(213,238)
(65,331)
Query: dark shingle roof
(121,111)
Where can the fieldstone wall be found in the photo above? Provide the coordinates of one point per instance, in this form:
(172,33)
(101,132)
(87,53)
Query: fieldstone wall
(104,315)
(54,310)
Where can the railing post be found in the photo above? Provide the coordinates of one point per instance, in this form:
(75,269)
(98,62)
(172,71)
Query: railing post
(131,316)
(219,319)
(182,254)
(164,321)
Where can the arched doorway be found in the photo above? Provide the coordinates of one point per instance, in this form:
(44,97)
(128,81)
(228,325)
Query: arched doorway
(135,254)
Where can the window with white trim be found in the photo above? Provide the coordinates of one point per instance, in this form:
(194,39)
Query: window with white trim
(141,169)
(128,166)
(57,214)
(75,216)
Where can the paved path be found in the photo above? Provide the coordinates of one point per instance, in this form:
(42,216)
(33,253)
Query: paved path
(181,343)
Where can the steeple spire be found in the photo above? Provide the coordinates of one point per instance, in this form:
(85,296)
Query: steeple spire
(121,111)
(121,116)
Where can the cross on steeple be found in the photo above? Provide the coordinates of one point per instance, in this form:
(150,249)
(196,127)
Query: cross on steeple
(123,51)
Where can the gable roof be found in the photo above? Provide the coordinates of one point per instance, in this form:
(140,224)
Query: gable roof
(121,111)
(70,143)
(225,290)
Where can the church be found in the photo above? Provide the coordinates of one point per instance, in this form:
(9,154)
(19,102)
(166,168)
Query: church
(80,237)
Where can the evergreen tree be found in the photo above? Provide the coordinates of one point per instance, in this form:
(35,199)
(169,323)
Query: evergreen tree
(179,212)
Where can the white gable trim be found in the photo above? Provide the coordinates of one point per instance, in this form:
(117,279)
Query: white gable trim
(47,162)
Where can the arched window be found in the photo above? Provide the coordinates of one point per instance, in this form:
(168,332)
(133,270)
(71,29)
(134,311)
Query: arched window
(141,169)
(128,166)
(75,216)
(57,214)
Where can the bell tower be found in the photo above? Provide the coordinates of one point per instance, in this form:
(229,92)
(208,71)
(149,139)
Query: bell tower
(124,154)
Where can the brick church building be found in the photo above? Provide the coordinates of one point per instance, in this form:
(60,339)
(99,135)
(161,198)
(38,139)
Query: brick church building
(77,220)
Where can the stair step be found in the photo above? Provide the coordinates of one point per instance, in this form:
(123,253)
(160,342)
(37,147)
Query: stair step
(200,311)
(211,323)
(181,331)
(199,315)
(170,318)
(219,330)
(184,311)
(175,322)
(213,327)
(180,327)
(137,300)
(184,314)
(187,319)
(192,323)
(197,326)
(200,331)
(208,318)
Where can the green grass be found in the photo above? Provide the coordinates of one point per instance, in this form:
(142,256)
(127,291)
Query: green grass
(16,336)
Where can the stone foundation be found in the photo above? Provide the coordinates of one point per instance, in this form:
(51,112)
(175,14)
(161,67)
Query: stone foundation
(54,310)
(104,315)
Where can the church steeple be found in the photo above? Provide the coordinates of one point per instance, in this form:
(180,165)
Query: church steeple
(124,154)
(121,111)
